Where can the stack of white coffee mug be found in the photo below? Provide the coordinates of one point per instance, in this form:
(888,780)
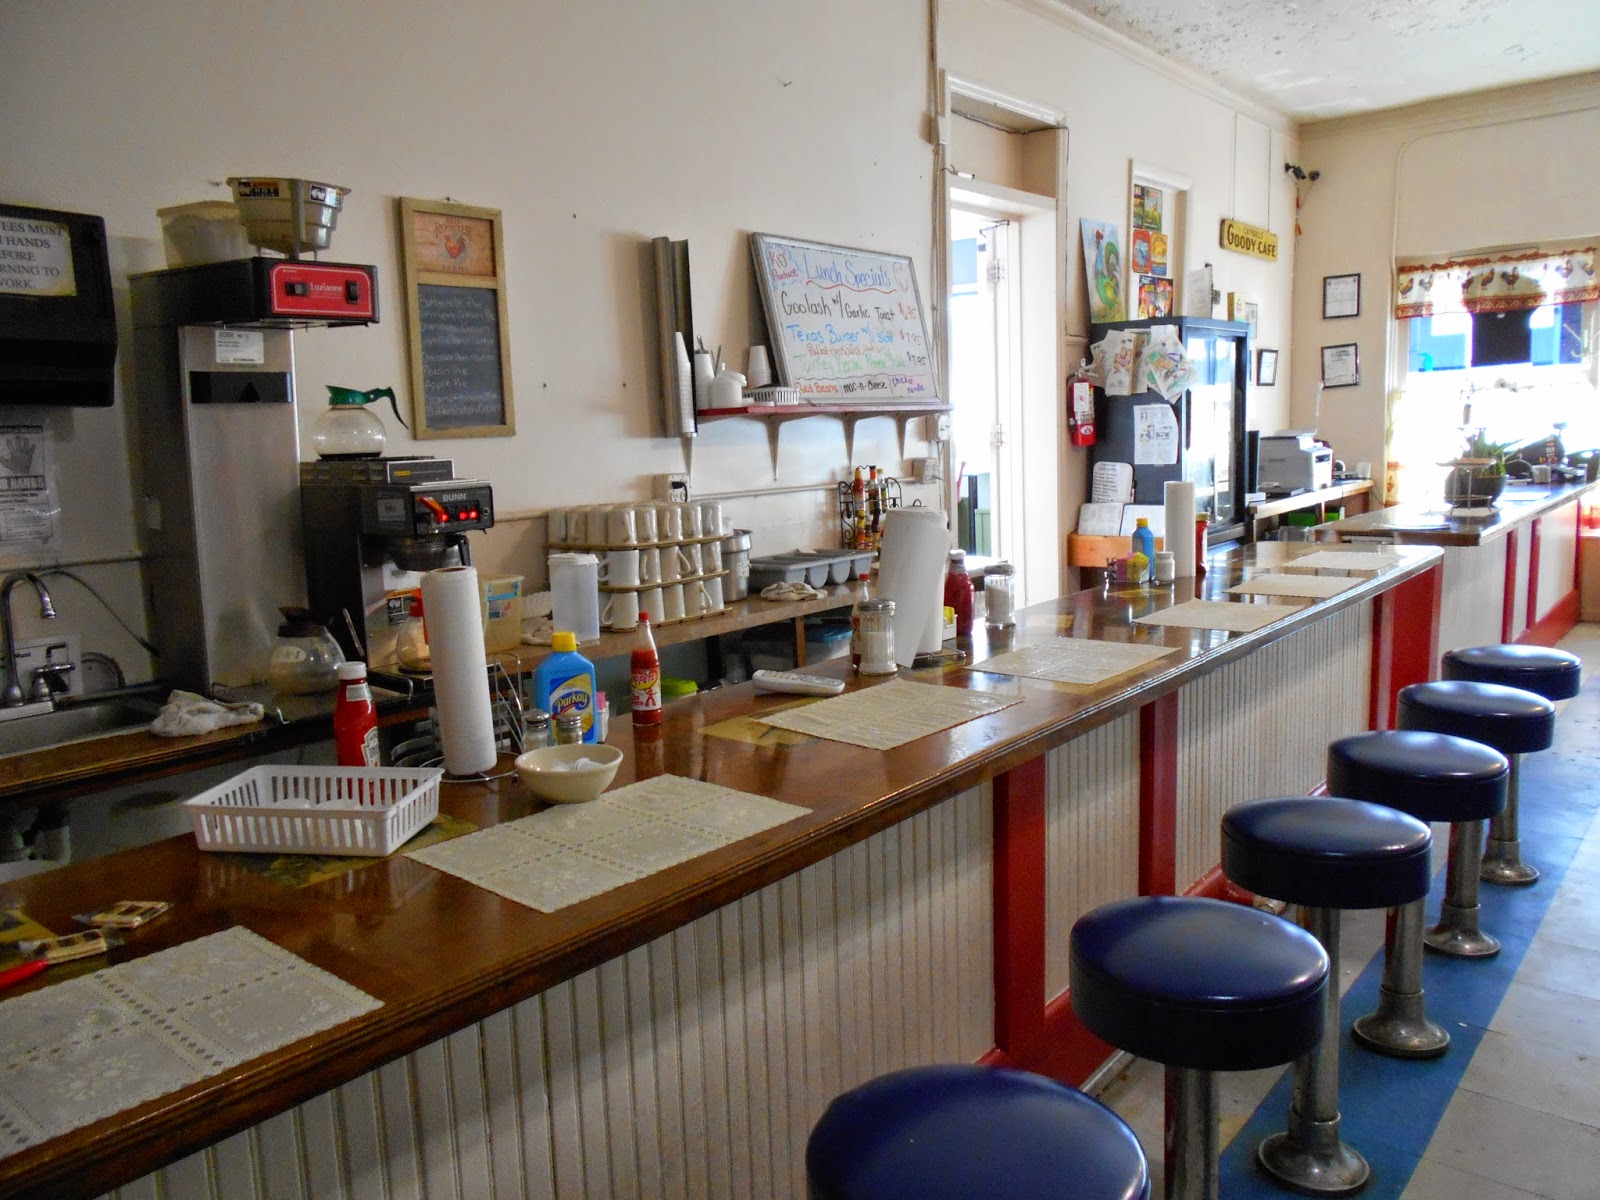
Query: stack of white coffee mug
(656,557)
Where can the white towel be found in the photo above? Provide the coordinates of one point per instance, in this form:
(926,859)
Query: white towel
(187,714)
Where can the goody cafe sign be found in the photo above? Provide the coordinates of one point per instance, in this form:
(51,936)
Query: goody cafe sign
(1249,239)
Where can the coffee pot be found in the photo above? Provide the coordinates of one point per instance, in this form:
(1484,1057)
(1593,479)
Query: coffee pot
(346,429)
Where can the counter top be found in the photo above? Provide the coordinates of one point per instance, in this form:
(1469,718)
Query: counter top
(1424,525)
(440,953)
(92,764)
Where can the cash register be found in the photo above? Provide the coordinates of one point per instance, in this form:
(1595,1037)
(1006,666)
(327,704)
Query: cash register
(1292,463)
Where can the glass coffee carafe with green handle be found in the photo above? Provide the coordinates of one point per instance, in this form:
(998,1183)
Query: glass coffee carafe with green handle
(346,429)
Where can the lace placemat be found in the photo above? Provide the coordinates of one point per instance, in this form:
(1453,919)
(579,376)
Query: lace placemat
(889,714)
(1234,616)
(90,1047)
(573,852)
(1074,660)
(1319,586)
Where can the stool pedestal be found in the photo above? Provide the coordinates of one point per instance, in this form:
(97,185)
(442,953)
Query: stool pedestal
(1457,933)
(1398,1028)
(1189,1138)
(1502,854)
(1310,1156)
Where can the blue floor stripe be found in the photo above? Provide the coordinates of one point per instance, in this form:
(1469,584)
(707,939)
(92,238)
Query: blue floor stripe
(1391,1107)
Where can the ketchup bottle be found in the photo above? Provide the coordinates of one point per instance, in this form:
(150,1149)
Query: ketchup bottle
(958,592)
(646,676)
(355,718)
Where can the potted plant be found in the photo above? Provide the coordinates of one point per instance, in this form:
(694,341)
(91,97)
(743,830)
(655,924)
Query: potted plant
(1478,475)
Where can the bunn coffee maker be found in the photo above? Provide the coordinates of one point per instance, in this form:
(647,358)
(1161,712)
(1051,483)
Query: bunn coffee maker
(369,525)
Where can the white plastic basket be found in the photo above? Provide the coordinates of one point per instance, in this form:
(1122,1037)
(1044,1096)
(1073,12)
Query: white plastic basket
(368,811)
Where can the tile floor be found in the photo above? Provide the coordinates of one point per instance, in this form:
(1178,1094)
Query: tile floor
(1512,1112)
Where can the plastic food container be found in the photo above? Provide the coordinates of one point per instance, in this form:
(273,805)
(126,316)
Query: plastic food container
(208,231)
(364,811)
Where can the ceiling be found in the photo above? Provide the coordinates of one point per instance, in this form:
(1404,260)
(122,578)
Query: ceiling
(1315,59)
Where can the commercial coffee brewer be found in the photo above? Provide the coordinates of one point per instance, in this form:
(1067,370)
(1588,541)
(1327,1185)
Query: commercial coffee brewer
(371,525)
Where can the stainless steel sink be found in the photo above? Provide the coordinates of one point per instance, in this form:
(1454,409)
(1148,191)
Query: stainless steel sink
(84,719)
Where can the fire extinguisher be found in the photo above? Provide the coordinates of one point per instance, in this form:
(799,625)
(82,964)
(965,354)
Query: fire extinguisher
(1080,407)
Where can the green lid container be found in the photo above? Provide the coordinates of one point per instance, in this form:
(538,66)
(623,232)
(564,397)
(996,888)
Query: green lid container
(676,689)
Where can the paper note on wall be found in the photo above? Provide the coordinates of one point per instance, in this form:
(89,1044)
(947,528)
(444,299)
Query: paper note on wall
(1112,483)
(1155,435)
(1100,520)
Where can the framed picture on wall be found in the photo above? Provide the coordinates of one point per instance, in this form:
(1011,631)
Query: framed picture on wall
(1341,296)
(1266,367)
(1341,367)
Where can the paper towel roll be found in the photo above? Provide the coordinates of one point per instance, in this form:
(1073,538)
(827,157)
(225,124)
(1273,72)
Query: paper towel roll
(911,568)
(1178,498)
(460,675)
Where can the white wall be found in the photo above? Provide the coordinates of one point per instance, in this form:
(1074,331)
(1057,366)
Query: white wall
(593,127)
(1122,104)
(1490,169)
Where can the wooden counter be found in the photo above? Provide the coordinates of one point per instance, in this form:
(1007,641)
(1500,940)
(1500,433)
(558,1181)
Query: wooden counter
(70,770)
(442,955)
(1425,525)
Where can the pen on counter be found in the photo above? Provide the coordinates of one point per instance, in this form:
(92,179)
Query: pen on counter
(21,972)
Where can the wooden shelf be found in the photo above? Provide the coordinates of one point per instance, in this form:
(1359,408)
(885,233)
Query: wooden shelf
(776,416)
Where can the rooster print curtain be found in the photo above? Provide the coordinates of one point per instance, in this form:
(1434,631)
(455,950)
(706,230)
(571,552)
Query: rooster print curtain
(1496,282)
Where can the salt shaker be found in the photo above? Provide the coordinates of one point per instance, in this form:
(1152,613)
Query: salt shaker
(1000,596)
(875,624)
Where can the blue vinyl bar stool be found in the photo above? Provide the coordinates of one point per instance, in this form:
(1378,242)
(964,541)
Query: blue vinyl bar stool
(1553,674)
(1324,854)
(1513,721)
(1199,986)
(972,1133)
(1433,777)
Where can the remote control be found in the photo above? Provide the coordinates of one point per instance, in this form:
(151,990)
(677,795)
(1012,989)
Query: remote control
(793,681)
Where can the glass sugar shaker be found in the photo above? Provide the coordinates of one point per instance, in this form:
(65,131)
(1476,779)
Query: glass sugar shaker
(1000,596)
(876,624)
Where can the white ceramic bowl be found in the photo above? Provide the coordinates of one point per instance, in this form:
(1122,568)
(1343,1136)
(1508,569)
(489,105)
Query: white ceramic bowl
(537,771)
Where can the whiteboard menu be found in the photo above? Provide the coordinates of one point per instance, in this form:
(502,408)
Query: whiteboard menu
(847,326)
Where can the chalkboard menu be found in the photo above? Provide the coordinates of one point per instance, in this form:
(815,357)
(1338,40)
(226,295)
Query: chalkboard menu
(459,332)
(460,367)
(846,326)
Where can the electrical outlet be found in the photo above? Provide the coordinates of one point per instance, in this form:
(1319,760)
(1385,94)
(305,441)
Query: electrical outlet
(673,487)
(37,653)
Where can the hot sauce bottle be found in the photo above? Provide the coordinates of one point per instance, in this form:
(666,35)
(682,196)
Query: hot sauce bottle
(645,669)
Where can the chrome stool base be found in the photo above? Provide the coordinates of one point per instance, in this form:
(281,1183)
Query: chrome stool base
(1457,934)
(1503,865)
(1399,1028)
(1307,1161)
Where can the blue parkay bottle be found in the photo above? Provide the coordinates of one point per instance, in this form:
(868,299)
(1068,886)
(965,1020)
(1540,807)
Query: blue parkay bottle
(1145,543)
(565,683)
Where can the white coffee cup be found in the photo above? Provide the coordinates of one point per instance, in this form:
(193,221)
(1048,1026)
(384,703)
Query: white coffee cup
(690,559)
(577,525)
(556,527)
(644,523)
(669,522)
(650,566)
(620,525)
(713,588)
(710,557)
(758,369)
(621,610)
(672,602)
(711,518)
(650,603)
(689,515)
(671,564)
(698,599)
(620,569)
(597,522)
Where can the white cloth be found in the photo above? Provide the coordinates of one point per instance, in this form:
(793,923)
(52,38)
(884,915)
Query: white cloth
(789,591)
(187,714)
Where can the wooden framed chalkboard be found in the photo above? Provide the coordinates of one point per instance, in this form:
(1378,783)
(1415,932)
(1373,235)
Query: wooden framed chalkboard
(846,326)
(454,262)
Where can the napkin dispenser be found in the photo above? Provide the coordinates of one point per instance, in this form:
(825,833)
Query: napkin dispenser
(1294,462)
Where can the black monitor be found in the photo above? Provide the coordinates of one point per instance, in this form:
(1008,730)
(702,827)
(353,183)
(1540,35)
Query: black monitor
(58,329)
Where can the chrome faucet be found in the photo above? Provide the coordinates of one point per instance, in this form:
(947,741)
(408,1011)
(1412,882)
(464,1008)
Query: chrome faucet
(47,610)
